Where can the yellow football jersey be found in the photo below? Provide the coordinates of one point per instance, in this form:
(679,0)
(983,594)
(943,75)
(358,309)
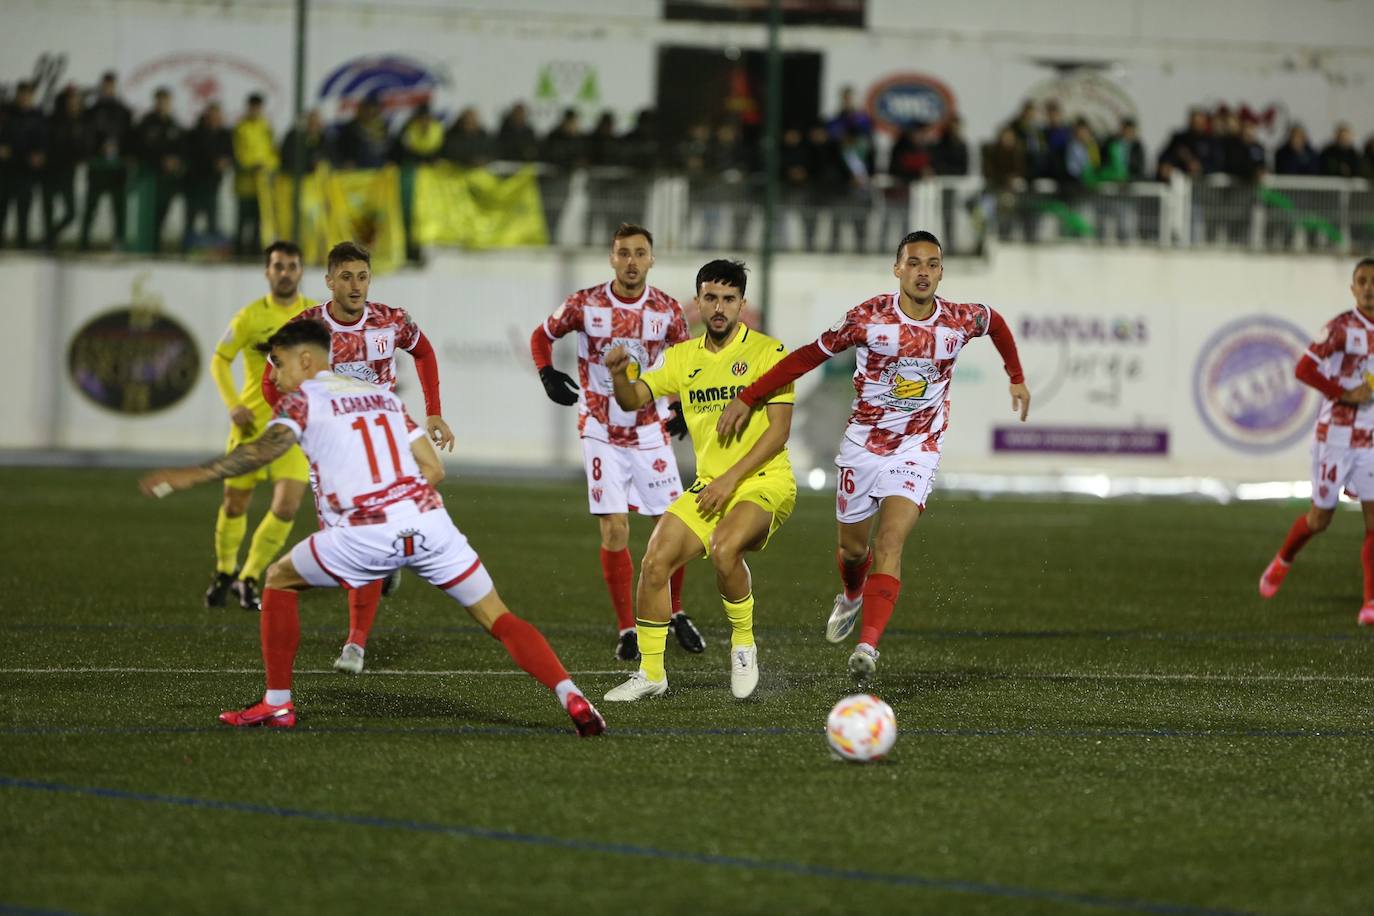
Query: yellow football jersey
(254,323)
(705,382)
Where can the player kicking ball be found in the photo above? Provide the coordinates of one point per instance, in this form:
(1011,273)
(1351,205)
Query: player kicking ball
(744,489)
(1338,365)
(378,514)
(907,344)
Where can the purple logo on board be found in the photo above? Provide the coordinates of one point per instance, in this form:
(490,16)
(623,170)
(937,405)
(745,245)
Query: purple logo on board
(1244,387)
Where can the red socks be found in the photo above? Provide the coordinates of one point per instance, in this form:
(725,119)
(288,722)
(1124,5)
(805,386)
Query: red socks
(675,588)
(853,577)
(880,596)
(362,611)
(529,649)
(619,572)
(280,627)
(1298,535)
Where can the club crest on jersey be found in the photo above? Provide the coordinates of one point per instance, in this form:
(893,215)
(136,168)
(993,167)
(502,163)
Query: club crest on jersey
(596,494)
(381,344)
(407,543)
(842,502)
(740,368)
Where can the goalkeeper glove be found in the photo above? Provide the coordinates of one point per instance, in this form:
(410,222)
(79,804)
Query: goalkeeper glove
(559,386)
(676,423)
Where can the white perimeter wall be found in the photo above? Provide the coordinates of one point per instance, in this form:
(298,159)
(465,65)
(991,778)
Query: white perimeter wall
(1122,348)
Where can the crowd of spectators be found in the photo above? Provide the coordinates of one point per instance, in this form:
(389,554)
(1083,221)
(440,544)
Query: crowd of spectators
(831,166)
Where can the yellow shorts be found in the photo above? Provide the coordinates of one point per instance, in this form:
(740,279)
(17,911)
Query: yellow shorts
(774,493)
(293,465)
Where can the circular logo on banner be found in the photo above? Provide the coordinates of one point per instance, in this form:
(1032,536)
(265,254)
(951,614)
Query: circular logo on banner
(397,83)
(133,360)
(198,78)
(909,100)
(1245,389)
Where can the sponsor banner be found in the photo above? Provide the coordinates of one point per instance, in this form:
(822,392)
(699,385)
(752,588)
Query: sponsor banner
(1245,389)
(909,100)
(1080,440)
(197,78)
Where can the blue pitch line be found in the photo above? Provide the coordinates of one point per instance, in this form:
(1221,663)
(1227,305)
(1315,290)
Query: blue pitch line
(473,629)
(622,849)
(520,731)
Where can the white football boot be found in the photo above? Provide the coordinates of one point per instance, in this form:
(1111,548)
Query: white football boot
(638,687)
(842,617)
(863,662)
(744,671)
(350,660)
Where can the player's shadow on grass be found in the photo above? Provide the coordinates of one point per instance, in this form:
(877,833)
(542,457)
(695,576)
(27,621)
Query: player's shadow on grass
(356,702)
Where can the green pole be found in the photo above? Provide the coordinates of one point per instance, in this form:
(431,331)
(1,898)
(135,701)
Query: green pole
(772,125)
(298,119)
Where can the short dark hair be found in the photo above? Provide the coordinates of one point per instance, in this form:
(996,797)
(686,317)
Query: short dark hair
(290,249)
(920,235)
(721,270)
(108,76)
(625,230)
(255,98)
(348,251)
(310,331)
(1364,262)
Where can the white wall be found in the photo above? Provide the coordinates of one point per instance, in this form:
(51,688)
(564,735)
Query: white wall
(1308,62)
(1113,341)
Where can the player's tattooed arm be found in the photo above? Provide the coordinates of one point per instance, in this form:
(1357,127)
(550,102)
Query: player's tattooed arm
(250,456)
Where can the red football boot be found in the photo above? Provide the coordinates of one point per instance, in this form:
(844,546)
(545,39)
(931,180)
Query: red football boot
(1366,618)
(1273,577)
(584,715)
(260,713)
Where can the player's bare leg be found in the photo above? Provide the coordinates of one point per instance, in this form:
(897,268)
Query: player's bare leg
(744,528)
(671,546)
(1313,522)
(854,559)
(230,526)
(280,629)
(268,539)
(679,624)
(618,571)
(896,518)
(529,650)
(1366,616)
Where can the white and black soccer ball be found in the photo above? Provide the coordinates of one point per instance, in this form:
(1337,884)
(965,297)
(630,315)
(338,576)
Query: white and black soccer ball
(861,728)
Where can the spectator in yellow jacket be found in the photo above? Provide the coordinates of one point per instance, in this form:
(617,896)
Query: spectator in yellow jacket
(255,152)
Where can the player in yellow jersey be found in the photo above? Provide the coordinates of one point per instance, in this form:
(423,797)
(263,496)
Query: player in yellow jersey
(249,415)
(744,488)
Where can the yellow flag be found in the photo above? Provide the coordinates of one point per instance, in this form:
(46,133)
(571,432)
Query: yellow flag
(361,206)
(476,209)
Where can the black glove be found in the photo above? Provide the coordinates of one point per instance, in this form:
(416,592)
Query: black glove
(559,386)
(676,424)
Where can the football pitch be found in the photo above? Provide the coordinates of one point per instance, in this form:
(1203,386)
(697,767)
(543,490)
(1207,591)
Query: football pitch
(1097,713)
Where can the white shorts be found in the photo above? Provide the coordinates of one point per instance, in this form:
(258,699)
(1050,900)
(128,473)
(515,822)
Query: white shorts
(865,479)
(428,542)
(623,479)
(1338,466)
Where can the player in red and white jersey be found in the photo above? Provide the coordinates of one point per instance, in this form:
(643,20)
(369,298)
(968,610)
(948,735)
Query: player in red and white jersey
(365,337)
(907,344)
(379,514)
(626,454)
(1340,365)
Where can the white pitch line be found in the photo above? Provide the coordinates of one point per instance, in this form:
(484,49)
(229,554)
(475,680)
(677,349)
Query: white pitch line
(516,672)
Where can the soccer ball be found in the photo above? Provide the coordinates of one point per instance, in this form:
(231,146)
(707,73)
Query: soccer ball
(861,728)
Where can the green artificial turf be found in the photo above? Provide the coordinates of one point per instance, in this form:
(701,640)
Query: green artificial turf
(1096,713)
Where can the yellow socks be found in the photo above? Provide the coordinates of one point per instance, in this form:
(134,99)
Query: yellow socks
(741,614)
(229,534)
(267,540)
(653,636)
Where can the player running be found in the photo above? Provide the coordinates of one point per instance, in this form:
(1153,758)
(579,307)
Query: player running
(1338,365)
(626,454)
(249,414)
(366,336)
(744,489)
(907,344)
(378,513)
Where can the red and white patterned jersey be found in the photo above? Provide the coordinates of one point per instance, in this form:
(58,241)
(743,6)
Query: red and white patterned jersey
(1342,353)
(901,380)
(647,328)
(366,349)
(357,437)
